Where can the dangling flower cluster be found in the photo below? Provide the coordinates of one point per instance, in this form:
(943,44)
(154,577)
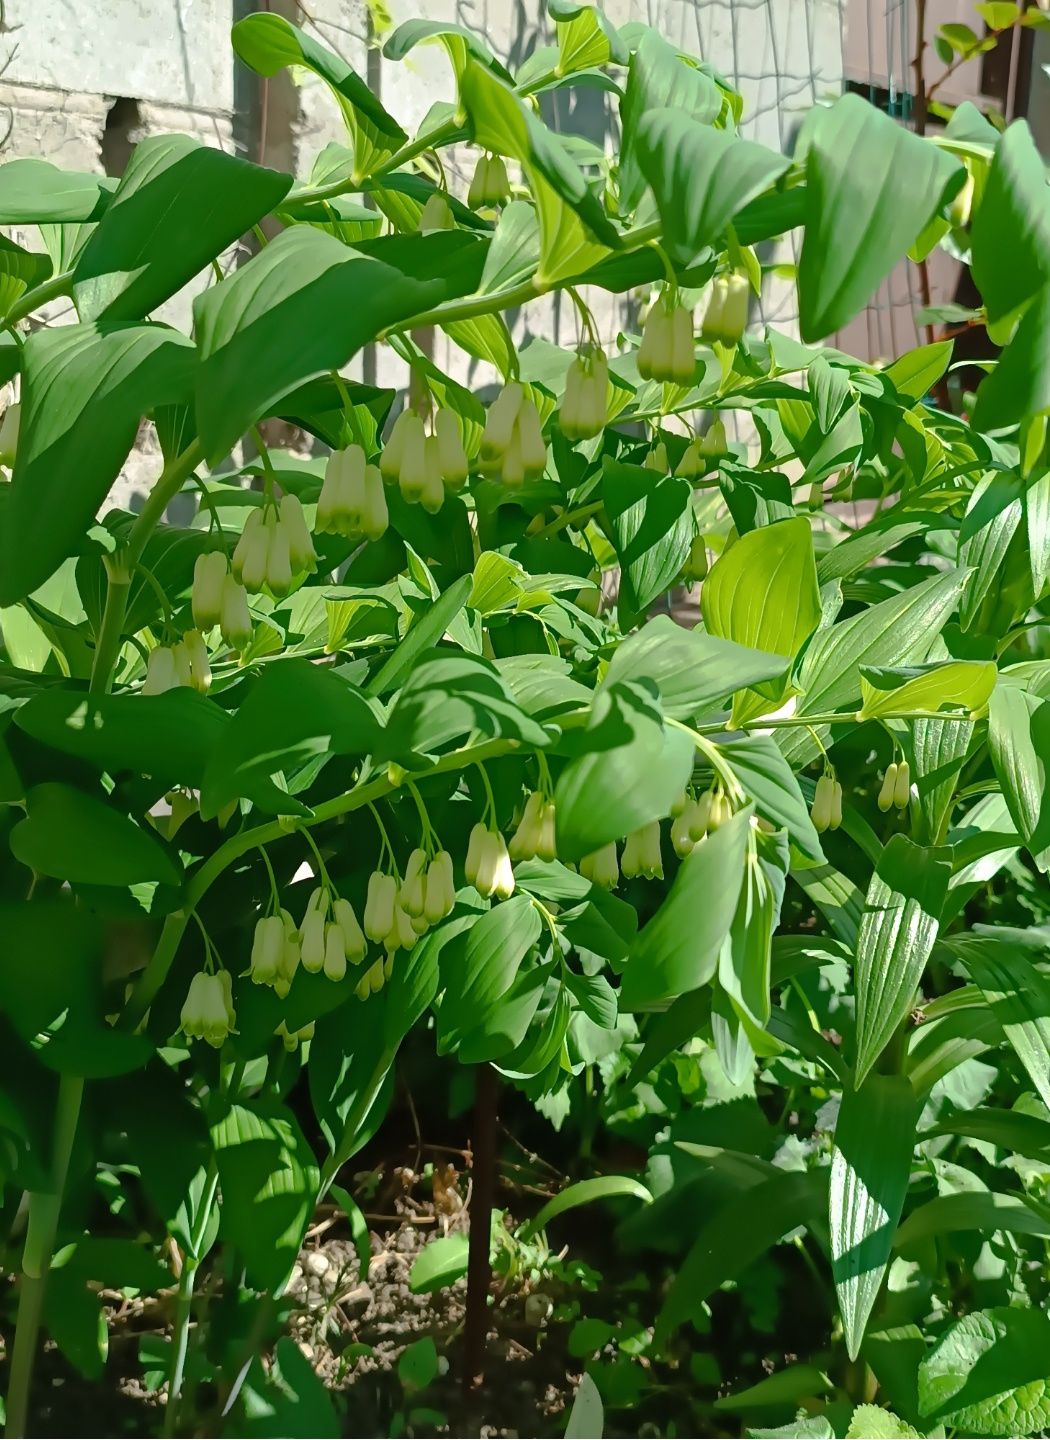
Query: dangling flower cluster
(667,350)
(9,427)
(534,838)
(641,853)
(425,467)
(275,548)
(352,502)
(601,867)
(657,459)
(725,317)
(826,810)
(292,1039)
(487,866)
(185,663)
(397,914)
(693,819)
(490,184)
(512,445)
(217,598)
(584,405)
(695,567)
(436,214)
(896,787)
(208,1013)
(703,452)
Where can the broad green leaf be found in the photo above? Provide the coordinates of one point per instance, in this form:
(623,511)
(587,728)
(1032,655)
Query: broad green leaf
(835,896)
(870,1168)
(879,537)
(770,783)
(296,712)
(791,1385)
(871,1422)
(907,689)
(993,516)
(897,631)
(179,204)
(480,965)
(935,751)
(269,1179)
(990,1374)
(585,1192)
(425,633)
(450,697)
(515,249)
(74,836)
(652,527)
(693,670)
(458,41)
(439,1264)
(701,177)
(543,685)
(917,372)
(1010,232)
(1019,741)
(1009,1129)
(939,1046)
(762,592)
(658,78)
(736,1235)
(1019,385)
(35,192)
(597,797)
(334,299)
(744,962)
(288,1395)
(678,950)
(897,931)
(586,38)
(587,1417)
(871,187)
(1019,997)
(486,337)
(51,990)
(972,1210)
(268,43)
(20,270)
(502,122)
(84,390)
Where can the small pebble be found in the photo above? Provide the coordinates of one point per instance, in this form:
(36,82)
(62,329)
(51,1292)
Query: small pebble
(317,1262)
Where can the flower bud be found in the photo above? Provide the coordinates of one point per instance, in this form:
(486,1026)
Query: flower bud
(278,558)
(290,956)
(683,351)
(451,454)
(342,492)
(601,867)
(498,181)
(656,349)
(354,943)
(196,653)
(475,851)
(161,671)
(503,871)
(208,1013)
(530,439)
(835,819)
(432,496)
(958,213)
(209,574)
(334,952)
(412,473)
(700,815)
(313,941)
(547,848)
(500,421)
(440,890)
(402,933)
(713,443)
(641,853)
(267,950)
(393,451)
(478,193)
(889,785)
(681,839)
(695,567)
(436,215)
(235,620)
(692,462)
(379,906)
(524,843)
(583,407)
(725,318)
(9,428)
(375,517)
(823,800)
(719,811)
(251,553)
(657,459)
(300,542)
(902,786)
(411,895)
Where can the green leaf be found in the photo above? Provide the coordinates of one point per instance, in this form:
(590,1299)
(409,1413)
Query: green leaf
(586,38)
(990,1374)
(652,527)
(35,192)
(762,592)
(585,1192)
(84,390)
(1019,385)
(1019,996)
(736,1235)
(481,966)
(74,836)
(972,1210)
(692,670)
(425,632)
(486,337)
(659,79)
(897,931)
(935,751)
(870,1169)
(901,690)
(1010,232)
(458,40)
(744,962)
(1019,742)
(897,631)
(20,270)
(871,1422)
(769,782)
(439,1264)
(179,204)
(269,1180)
(268,43)
(597,798)
(701,177)
(290,1396)
(872,186)
(792,1385)
(677,951)
(587,1417)
(295,712)
(1008,1129)
(917,372)
(334,299)
(450,697)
